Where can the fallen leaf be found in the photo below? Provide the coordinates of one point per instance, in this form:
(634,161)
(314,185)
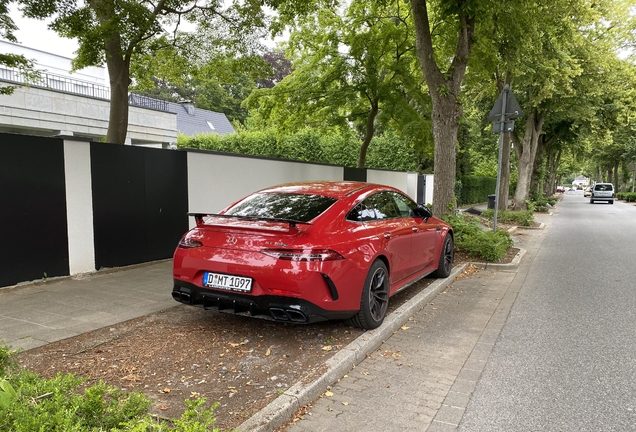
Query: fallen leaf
(195,394)
(234,345)
(328,393)
(166,390)
(345,403)
(163,407)
(405,327)
(268,352)
(327,348)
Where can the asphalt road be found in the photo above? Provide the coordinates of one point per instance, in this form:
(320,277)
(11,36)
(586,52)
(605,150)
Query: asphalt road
(566,357)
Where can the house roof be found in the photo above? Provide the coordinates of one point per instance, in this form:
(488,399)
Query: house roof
(192,121)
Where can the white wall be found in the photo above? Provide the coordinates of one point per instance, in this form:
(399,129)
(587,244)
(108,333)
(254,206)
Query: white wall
(406,182)
(216,181)
(79,206)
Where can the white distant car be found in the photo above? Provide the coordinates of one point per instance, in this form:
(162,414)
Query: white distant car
(602,192)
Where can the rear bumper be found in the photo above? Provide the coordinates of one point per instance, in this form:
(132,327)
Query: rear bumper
(270,307)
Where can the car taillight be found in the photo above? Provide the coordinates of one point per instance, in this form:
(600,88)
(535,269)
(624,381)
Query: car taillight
(312,255)
(189,243)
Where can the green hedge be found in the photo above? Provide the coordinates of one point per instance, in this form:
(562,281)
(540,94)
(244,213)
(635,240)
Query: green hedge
(310,145)
(626,196)
(474,189)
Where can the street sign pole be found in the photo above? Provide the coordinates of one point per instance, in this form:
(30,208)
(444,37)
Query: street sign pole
(501,141)
(506,109)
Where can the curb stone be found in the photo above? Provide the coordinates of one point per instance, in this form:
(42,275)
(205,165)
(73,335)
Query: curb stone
(282,409)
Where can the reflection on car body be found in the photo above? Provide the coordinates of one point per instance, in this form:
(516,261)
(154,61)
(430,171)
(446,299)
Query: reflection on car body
(307,252)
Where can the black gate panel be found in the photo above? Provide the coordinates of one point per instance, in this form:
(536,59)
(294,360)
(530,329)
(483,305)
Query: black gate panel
(166,201)
(355,174)
(140,203)
(33,228)
(119,216)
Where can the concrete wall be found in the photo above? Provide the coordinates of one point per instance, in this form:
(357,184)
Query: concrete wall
(47,112)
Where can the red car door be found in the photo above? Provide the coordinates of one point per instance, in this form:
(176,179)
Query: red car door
(424,235)
(387,223)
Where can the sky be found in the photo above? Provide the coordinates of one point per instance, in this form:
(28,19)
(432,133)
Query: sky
(35,34)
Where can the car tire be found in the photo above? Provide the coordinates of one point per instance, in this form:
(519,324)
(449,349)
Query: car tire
(591,201)
(611,202)
(375,298)
(446,258)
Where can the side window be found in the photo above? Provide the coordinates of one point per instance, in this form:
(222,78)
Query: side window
(361,213)
(384,206)
(405,205)
(375,207)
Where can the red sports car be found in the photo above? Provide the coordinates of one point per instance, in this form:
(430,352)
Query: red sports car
(307,252)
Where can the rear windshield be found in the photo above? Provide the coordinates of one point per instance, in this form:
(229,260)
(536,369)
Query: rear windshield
(299,207)
(603,187)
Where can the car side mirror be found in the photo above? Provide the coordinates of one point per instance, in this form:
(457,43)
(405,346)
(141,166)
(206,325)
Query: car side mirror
(424,212)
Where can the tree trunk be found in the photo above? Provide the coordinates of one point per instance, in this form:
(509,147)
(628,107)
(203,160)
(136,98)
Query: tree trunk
(368,136)
(445,127)
(616,163)
(444,89)
(536,168)
(118,64)
(119,74)
(526,152)
(554,159)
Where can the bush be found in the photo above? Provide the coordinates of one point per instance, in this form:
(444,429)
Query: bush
(31,403)
(626,196)
(542,204)
(473,239)
(521,218)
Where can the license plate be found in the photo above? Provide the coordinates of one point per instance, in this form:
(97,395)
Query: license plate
(227,282)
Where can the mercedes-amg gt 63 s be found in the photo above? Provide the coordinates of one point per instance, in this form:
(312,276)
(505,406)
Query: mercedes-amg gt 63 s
(313,251)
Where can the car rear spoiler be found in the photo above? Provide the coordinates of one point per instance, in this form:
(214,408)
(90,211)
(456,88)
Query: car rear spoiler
(198,217)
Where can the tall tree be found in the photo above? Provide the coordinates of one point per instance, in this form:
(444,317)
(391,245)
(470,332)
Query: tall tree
(116,31)
(444,79)
(354,68)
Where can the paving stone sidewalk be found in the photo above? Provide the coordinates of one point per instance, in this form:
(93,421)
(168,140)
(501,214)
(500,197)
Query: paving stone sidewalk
(36,314)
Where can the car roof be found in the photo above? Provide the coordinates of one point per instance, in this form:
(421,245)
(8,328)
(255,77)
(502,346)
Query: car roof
(336,189)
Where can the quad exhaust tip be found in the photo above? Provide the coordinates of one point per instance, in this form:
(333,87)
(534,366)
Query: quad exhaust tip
(280,314)
(181,296)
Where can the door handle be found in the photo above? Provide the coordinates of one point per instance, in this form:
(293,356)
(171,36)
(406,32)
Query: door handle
(387,235)
(415,229)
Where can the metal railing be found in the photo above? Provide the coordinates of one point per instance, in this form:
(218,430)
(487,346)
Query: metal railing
(56,82)
(147,102)
(73,86)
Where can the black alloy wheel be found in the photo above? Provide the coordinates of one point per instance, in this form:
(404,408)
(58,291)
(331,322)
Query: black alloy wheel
(446,258)
(375,298)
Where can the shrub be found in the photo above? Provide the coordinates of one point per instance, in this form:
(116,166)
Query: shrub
(31,403)
(473,239)
(521,218)
(626,196)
